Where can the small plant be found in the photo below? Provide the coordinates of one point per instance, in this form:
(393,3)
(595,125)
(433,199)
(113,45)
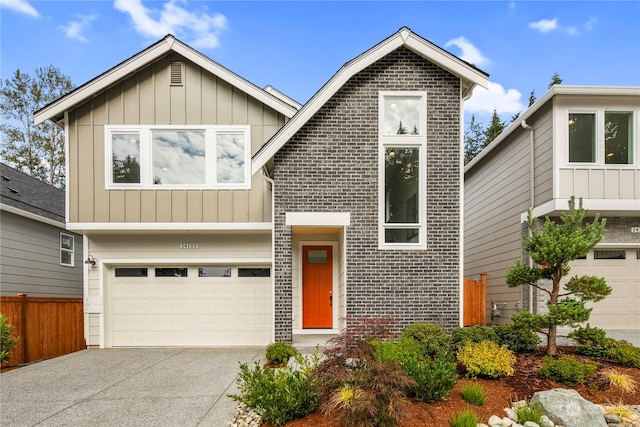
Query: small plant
(529,412)
(432,338)
(473,393)
(487,359)
(280,352)
(473,334)
(568,370)
(518,335)
(7,342)
(356,388)
(624,353)
(594,342)
(466,418)
(619,409)
(620,380)
(277,395)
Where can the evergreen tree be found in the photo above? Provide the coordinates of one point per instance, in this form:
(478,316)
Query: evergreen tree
(35,150)
(532,97)
(495,128)
(555,80)
(402,130)
(473,140)
(551,248)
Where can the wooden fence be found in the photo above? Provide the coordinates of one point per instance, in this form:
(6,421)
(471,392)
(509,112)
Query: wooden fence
(475,301)
(47,327)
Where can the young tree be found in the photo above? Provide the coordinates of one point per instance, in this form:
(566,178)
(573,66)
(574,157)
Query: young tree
(36,150)
(551,248)
(495,128)
(532,97)
(473,140)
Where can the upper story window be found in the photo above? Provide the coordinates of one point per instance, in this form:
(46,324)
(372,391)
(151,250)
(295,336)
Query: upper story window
(67,249)
(601,137)
(178,157)
(402,170)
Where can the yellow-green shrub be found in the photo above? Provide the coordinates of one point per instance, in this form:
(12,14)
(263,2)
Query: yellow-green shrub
(486,359)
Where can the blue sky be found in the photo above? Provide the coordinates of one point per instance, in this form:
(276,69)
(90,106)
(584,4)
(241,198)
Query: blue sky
(296,46)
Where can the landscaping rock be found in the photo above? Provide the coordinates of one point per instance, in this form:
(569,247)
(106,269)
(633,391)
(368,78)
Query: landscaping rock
(567,407)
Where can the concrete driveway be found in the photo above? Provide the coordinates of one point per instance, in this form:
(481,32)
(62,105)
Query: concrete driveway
(126,387)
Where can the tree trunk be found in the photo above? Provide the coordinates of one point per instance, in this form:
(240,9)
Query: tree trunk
(553,301)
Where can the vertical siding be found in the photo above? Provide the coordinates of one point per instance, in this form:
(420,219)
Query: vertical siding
(147,98)
(30,259)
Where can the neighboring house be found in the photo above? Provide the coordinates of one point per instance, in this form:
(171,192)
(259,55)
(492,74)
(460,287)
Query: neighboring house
(220,213)
(575,141)
(38,256)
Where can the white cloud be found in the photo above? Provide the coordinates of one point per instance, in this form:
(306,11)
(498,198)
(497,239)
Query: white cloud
(21,6)
(544,25)
(74,29)
(200,29)
(469,52)
(496,98)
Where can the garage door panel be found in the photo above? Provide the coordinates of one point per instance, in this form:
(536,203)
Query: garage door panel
(621,309)
(190,311)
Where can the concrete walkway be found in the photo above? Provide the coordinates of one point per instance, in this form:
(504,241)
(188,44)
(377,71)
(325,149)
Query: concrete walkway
(126,387)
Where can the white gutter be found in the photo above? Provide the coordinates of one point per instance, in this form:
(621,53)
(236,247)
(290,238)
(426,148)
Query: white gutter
(29,215)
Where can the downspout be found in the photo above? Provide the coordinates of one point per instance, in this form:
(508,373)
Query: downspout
(532,171)
(265,176)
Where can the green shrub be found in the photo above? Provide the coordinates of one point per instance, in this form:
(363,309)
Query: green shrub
(487,359)
(624,353)
(473,393)
(529,412)
(591,341)
(473,334)
(280,352)
(518,335)
(568,370)
(277,395)
(432,338)
(7,342)
(466,418)
(356,388)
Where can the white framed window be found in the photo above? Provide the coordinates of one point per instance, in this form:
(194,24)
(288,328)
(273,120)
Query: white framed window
(177,157)
(67,248)
(402,170)
(601,137)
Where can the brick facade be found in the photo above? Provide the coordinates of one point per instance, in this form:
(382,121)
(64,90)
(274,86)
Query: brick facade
(331,165)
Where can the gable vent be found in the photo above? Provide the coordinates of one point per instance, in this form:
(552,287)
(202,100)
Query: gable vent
(175,73)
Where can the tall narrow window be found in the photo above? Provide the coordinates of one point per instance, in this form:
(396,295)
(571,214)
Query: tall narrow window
(402,170)
(125,157)
(66,249)
(582,137)
(618,138)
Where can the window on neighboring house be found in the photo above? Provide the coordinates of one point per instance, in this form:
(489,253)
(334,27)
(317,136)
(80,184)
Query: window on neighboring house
(178,157)
(603,137)
(66,250)
(402,170)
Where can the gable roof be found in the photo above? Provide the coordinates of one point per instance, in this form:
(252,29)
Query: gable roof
(470,77)
(55,110)
(21,193)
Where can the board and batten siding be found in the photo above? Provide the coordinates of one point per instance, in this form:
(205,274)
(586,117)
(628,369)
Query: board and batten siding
(146,98)
(150,250)
(30,259)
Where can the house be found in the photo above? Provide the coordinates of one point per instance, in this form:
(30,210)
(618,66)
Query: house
(219,213)
(38,256)
(575,141)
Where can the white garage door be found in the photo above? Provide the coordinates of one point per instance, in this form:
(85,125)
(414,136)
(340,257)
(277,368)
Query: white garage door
(621,269)
(190,306)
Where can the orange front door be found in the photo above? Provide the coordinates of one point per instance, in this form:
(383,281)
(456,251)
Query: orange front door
(317,281)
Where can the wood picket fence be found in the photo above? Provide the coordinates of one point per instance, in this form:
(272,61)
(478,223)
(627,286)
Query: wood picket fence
(475,301)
